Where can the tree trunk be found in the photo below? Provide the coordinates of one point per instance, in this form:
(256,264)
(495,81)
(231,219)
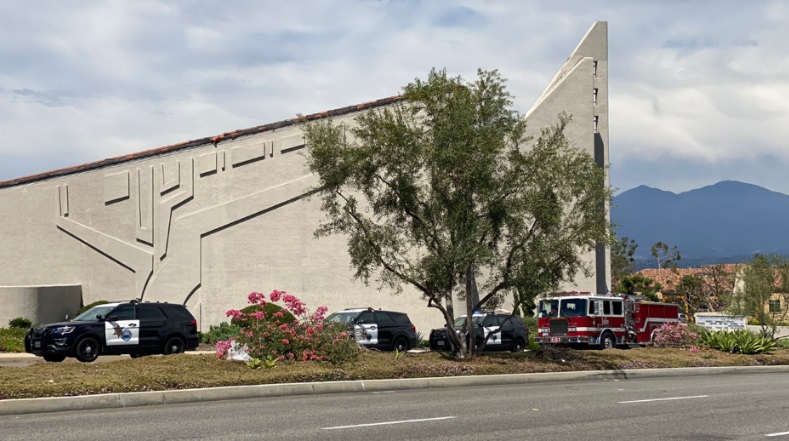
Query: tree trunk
(471,295)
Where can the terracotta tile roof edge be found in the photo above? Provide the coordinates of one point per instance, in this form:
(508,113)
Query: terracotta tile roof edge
(197,142)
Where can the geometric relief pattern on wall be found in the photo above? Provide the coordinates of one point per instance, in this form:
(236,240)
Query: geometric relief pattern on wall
(116,187)
(289,144)
(206,164)
(171,177)
(176,240)
(144,217)
(249,153)
(182,271)
(167,205)
(136,260)
(63,200)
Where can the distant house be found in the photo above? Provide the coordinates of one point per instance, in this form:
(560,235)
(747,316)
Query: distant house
(718,281)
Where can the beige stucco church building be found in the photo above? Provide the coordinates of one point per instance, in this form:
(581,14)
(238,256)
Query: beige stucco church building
(208,221)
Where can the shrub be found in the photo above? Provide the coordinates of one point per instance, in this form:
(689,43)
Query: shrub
(224,331)
(276,336)
(741,341)
(12,340)
(20,323)
(674,334)
(783,343)
(268,308)
(87,307)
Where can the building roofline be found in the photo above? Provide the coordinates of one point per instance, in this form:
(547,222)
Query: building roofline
(196,142)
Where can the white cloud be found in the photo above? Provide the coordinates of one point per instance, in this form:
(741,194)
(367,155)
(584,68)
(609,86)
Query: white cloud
(703,83)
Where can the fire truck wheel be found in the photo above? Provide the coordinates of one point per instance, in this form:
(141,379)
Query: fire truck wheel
(607,341)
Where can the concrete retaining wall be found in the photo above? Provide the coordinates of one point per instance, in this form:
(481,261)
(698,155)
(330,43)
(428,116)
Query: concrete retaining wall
(40,304)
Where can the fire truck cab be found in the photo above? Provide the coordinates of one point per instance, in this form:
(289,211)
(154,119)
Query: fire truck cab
(603,321)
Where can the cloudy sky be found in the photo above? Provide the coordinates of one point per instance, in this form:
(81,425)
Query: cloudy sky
(699,90)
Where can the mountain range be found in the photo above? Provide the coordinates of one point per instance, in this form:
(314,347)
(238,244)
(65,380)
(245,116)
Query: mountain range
(727,222)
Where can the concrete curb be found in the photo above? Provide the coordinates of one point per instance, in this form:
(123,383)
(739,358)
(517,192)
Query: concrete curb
(134,399)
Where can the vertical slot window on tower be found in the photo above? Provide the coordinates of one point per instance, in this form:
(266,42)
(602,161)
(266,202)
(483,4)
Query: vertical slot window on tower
(594,96)
(594,66)
(595,123)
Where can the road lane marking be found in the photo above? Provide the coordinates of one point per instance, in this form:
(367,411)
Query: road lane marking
(663,399)
(389,422)
(777,434)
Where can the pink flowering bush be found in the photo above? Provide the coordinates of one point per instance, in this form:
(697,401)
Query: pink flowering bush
(674,334)
(289,334)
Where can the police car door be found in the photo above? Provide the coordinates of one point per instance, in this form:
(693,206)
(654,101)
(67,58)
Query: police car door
(121,328)
(365,329)
(491,324)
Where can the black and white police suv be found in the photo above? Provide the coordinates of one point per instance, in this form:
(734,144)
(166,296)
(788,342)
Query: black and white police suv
(132,328)
(386,330)
(504,332)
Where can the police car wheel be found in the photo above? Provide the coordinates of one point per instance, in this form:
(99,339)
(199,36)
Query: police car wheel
(54,358)
(174,345)
(400,345)
(87,350)
(519,345)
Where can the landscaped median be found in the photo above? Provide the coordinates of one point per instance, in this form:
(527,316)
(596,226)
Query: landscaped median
(186,371)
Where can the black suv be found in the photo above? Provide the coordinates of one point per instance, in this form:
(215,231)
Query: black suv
(387,330)
(507,333)
(132,328)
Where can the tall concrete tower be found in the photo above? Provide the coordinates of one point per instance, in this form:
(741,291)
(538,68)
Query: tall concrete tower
(580,89)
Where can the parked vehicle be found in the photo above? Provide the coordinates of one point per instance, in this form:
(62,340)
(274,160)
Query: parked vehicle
(374,328)
(132,328)
(504,332)
(602,321)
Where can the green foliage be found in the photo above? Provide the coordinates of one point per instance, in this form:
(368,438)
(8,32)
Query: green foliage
(741,341)
(12,340)
(87,307)
(765,278)
(667,256)
(20,323)
(782,343)
(443,191)
(218,333)
(638,284)
(295,336)
(622,259)
(269,309)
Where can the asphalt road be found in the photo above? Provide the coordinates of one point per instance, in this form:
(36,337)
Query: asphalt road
(717,407)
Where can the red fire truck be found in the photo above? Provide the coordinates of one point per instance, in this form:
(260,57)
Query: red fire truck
(604,321)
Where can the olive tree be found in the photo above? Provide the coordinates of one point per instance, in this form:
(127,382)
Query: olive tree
(444,192)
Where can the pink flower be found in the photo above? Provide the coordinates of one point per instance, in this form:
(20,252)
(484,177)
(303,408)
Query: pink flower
(344,334)
(234,313)
(285,341)
(279,314)
(276,295)
(310,330)
(256,297)
(260,315)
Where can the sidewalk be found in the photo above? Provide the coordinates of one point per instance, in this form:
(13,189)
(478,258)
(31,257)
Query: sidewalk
(134,399)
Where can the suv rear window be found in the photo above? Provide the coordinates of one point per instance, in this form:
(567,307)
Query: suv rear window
(176,311)
(400,318)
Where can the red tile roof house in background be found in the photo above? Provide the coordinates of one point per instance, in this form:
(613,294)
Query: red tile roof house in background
(670,278)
